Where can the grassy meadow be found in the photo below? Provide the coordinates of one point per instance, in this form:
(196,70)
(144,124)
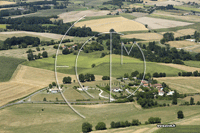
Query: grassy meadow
(60,118)
(85,61)
(7,67)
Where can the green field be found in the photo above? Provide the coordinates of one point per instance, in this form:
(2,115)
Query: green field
(187,8)
(102,65)
(3,26)
(192,63)
(180,129)
(7,67)
(60,118)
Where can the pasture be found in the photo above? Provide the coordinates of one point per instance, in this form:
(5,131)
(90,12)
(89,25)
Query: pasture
(119,24)
(192,63)
(182,84)
(64,119)
(7,67)
(181,44)
(102,65)
(180,129)
(187,8)
(157,23)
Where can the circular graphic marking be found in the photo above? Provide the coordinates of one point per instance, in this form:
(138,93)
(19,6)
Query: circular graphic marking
(56,76)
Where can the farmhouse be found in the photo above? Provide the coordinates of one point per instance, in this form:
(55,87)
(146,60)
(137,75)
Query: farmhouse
(55,90)
(82,89)
(117,90)
(161,92)
(157,86)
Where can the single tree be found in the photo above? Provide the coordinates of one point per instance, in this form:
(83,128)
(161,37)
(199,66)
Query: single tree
(86,127)
(45,54)
(100,126)
(180,114)
(192,101)
(81,77)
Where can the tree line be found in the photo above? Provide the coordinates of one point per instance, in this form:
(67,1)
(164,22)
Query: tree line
(87,127)
(22,42)
(195,73)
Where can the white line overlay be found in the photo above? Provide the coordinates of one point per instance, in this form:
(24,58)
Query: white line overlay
(56,76)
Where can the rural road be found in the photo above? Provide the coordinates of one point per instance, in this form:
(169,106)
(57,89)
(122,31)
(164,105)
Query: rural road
(100,94)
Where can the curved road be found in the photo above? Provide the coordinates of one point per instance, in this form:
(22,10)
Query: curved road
(100,94)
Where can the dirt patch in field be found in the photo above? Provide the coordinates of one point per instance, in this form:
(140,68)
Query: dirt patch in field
(181,44)
(181,67)
(75,15)
(157,23)
(145,36)
(119,24)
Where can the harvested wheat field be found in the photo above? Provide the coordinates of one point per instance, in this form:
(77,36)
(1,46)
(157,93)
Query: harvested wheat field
(75,15)
(195,48)
(6,3)
(119,24)
(192,18)
(28,33)
(145,36)
(164,3)
(181,67)
(182,84)
(181,44)
(186,31)
(157,23)
(27,80)
(182,32)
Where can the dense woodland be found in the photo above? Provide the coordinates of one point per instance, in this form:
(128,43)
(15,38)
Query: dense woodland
(22,42)
(35,24)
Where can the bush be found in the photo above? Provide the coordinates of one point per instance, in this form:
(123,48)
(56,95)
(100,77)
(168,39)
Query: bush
(198,103)
(153,120)
(100,126)
(86,127)
(45,54)
(135,122)
(105,78)
(180,114)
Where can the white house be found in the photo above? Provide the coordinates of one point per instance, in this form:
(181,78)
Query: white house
(117,90)
(170,93)
(161,92)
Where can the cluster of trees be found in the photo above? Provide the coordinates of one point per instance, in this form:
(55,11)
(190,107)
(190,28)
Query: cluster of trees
(153,120)
(67,80)
(31,57)
(183,37)
(94,46)
(167,37)
(105,78)
(197,36)
(86,77)
(22,42)
(156,75)
(135,122)
(195,73)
